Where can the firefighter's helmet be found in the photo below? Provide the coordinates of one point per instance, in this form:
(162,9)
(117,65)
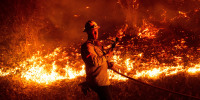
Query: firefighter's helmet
(90,25)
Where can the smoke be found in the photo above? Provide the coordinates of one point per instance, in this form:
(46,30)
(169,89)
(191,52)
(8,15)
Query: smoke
(67,18)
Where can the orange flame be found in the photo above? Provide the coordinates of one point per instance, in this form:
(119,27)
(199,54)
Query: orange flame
(38,69)
(147,30)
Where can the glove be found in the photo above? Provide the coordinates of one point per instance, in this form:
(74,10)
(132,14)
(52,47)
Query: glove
(110,64)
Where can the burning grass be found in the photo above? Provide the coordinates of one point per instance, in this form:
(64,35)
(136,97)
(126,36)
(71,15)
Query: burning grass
(57,75)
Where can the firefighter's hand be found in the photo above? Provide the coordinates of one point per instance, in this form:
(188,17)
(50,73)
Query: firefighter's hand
(110,64)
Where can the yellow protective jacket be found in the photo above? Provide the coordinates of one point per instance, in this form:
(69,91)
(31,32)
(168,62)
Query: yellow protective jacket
(96,64)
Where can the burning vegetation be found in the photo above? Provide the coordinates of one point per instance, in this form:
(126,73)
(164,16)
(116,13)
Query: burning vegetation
(40,47)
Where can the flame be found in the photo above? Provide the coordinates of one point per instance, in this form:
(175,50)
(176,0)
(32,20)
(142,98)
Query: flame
(38,69)
(147,30)
(157,72)
(129,66)
(114,76)
(195,69)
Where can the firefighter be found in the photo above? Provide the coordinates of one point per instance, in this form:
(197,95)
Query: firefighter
(96,62)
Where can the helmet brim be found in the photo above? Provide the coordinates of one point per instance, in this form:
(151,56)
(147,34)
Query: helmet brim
(97,27)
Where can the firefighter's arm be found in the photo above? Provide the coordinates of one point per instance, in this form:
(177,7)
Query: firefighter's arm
(96,59)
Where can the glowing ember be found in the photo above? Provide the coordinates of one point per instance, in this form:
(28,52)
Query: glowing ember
(183,14)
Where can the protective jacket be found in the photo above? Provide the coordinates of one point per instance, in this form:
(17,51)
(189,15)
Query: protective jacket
(96,64)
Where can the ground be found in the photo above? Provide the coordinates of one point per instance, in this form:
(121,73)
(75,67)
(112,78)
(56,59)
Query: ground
(12,88)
